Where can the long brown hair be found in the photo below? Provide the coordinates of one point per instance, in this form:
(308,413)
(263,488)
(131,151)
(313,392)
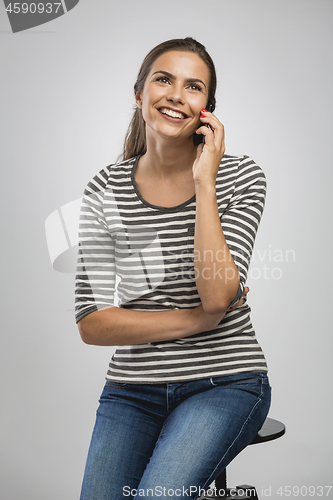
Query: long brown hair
(135,140)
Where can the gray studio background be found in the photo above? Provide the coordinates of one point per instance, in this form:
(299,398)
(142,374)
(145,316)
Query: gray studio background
(66,100)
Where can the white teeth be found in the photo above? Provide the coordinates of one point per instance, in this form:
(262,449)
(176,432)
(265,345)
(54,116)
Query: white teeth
(171,113)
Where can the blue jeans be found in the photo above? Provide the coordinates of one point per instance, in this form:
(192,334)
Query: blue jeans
(171,440)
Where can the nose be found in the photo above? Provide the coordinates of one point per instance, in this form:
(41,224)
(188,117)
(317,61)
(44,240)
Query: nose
(175,93)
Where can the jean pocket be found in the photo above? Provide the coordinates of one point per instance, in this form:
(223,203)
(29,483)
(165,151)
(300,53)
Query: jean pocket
(252,385)
(119,385)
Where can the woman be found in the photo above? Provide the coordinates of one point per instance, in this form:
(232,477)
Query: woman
(187,387)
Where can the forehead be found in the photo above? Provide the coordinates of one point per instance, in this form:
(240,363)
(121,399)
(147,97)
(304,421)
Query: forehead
(181,64)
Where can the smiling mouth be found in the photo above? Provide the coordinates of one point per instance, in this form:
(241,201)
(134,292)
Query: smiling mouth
(172,113)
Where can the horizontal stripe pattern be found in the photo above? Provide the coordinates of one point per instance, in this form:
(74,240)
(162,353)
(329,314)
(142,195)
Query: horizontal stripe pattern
(151,251)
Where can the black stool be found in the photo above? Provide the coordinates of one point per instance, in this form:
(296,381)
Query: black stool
(272,429)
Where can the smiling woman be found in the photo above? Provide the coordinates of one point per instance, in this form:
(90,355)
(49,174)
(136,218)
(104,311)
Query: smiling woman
(187,388)
(135,142)
(175,88)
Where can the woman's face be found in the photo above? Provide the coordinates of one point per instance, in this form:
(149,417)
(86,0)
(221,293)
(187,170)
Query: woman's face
(175,91)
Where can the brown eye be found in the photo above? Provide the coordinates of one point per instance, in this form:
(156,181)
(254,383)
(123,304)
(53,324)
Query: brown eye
(162,79)
(195,86)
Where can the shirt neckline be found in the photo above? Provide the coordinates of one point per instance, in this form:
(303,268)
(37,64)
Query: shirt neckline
(175,208)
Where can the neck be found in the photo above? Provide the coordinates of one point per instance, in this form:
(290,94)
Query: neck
(169,158)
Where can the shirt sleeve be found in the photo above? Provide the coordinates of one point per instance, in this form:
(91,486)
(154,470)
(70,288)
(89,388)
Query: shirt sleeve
(95,273)
(242,216)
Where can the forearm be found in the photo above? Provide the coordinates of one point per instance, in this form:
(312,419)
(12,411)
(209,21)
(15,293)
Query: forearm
(120,326)
(217,277)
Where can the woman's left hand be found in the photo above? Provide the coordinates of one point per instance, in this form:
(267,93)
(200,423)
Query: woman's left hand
(241,300)
(209,156)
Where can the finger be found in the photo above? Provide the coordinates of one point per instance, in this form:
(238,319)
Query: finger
(239,303)
(208,133)
(216,126)
(209,122)
(211,119)
(204,130)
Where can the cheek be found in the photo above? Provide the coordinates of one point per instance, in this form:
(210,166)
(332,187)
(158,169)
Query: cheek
(198,104)
(150,98)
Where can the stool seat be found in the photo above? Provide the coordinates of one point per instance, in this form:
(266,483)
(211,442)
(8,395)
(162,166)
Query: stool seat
(271,429)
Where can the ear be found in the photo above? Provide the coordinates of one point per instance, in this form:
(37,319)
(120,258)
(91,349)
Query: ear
(210,107)
(138,100)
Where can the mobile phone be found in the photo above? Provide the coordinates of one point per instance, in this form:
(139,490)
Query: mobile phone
(200,138)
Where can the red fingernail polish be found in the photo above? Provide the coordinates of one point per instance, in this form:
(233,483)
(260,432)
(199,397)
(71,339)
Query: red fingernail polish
(202,116)
(204,110)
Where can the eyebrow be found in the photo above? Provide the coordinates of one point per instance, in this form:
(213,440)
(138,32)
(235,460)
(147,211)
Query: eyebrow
(188,80)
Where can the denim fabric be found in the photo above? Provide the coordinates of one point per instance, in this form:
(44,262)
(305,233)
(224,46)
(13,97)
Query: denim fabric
(171,440)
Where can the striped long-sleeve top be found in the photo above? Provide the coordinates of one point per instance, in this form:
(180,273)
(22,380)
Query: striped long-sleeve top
(141,256)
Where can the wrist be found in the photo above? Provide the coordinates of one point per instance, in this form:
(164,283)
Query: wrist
(192,321)
(205,186)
